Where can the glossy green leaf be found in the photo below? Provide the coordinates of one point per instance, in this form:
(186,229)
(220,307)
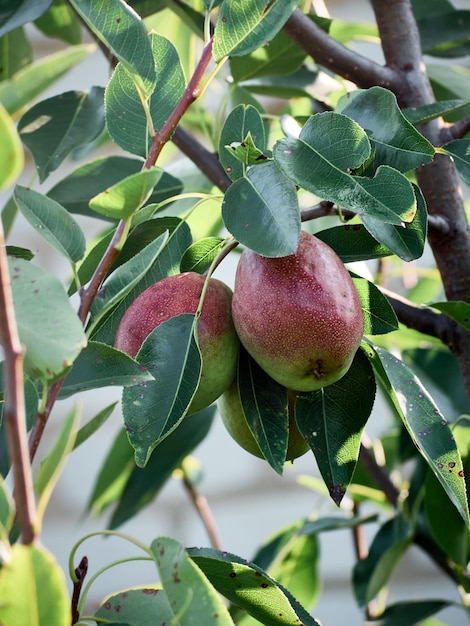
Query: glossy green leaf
(294,85)
(33,589)
(352,242)
(242,120)
(167,263)
(379,317)
(125,117)
(251,588)
(99,365)
(282,57)
(428,112)
(329,147)
(55,127)
(139,606)
(265,407)
(75,191)
(390,543)
(153,409)
(445,32)
(52,222)
(121,282)
(409,613)
(11,154)
(124,33)
(14,13)
(426,425)
(192,598)
(47,324)
(125,197)
(61,22)
(246,151)
(261,210)
(457,310)
(20,253)
(459,150)
(15,53)
(30,81)
(144,484)
(52,465)
(199,256)
(334,522)
(244,25)
(93,425)
(332,420)
(394,140)
(407,240)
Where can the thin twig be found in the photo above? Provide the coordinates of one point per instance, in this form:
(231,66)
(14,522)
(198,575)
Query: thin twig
(202,507)
(14,409)
(80,573)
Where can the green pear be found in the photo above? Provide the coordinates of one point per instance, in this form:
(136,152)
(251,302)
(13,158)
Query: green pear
(217,338)
(298,316)
(233,417)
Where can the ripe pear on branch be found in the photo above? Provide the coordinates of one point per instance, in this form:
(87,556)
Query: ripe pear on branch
(217,339)
(298,316)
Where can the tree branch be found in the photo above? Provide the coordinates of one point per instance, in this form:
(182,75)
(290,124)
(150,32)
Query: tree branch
(455,131)
(334,56)
(15,411)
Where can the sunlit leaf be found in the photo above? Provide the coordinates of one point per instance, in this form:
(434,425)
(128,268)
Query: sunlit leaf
(11,154)
(14,13)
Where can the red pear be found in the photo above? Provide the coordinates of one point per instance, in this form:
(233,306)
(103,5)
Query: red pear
(217,338)
(298,316)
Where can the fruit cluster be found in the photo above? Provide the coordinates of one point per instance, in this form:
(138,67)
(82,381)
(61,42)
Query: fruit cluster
(299,317)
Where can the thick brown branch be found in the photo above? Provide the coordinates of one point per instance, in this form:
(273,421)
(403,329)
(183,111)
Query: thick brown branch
(455,131)
(334,56)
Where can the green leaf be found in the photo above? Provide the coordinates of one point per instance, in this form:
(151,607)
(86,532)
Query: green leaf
(125,197)
(99,365)
(192,598)
(33,589)
(75,191)
(294,85)
(332,420)
(93,425)
(148,605)
(265,407)
(407,240)
(52,222)
(61,22)
(20,253)
(352,242)
(459,150)
(242,120)
(409,613)
(153,409)
(51,467)
(124,33)
(47,324)
(282,57)
(379,317)
(125,116)
(446,33)
(459,311)
(7,510)
(15,53)
(126,276)
(246,151)
(251,588)
(199,256)
(30,81)
(245,25)
(329,147)
(55,127)
(11,154)
(144,484)
(14,13)
(261,210)
(426,425)
(428,112)
(371,574)
(394,140)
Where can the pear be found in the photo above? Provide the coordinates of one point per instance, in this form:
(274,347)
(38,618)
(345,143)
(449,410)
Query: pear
(218,341)
(298,316)
(232,414)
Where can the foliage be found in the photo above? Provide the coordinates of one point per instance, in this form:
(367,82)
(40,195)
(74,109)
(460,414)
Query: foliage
(360,164)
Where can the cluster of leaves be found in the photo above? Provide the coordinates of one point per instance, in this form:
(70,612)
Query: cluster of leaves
(360,156)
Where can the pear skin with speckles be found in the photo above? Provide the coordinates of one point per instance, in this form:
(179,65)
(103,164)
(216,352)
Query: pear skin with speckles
(298,316)
(217,338)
